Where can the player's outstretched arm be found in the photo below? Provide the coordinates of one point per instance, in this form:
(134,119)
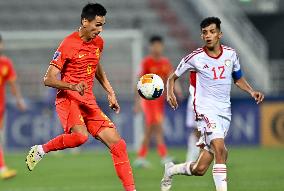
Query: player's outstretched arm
(102,78)
(171,98)
(17,93)
(244,85)
(177,88)
(50,80)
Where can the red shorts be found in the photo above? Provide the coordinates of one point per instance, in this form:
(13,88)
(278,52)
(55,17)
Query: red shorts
(73,113)
(153,111)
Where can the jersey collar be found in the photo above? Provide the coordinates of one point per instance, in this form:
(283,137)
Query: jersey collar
(215,57)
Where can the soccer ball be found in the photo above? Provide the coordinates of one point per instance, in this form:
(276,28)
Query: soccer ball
(150,86)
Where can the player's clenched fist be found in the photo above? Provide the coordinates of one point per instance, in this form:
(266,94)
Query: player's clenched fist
(80,87)
(113,104)
(258,96)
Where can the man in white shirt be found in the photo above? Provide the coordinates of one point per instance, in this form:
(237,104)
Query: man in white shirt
(212,69)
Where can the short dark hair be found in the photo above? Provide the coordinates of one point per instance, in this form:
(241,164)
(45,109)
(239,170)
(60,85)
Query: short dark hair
(156,38)
(210,20)
(91,10)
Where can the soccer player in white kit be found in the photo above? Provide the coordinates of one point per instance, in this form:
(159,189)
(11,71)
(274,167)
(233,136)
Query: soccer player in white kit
(212,68)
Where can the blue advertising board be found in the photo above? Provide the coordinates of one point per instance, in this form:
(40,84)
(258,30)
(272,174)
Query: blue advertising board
(40,123)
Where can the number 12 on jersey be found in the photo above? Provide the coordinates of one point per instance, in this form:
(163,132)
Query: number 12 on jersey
(220,70)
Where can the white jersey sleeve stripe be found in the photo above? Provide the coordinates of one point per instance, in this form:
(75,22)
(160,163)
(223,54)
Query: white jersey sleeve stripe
(191,55)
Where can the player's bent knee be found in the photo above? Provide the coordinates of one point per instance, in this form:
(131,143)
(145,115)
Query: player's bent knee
(220,152)
(119,149)
(200,170)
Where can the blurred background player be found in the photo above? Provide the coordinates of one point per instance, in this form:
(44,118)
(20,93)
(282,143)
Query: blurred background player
(153,110)
(193,136)
(213,67)
(7,76)
(77,60)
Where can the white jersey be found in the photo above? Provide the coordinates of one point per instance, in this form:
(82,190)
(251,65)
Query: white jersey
(211,79)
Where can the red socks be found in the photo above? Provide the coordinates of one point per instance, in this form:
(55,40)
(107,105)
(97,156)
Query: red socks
(65,141)
(118,151)
(122,165)
(2,162)
(143,151)
(162,150)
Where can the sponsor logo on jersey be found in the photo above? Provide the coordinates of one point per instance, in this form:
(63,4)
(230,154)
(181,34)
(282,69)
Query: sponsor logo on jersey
(82,55)
(205,66)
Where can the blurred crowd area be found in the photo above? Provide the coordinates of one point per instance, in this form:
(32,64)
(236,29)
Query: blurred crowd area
(251,27)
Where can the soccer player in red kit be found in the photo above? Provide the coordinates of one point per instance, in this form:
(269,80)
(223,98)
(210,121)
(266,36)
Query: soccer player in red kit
(7,75)
(77,60)
(153,110)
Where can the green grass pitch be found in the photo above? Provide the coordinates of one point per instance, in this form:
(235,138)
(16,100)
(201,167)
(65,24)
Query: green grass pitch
(249,169)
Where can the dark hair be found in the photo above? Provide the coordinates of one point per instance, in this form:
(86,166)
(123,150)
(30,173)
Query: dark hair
(156,38)
(91,10)
(210,20)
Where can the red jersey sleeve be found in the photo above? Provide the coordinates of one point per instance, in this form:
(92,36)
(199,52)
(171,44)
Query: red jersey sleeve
(11,75)
(100,43)
(60,56)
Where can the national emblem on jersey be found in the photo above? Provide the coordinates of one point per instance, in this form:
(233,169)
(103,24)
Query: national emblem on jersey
(98,53)
(228,62)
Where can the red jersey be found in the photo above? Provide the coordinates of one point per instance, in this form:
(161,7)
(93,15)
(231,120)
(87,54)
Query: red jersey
(78,62)
(162,67)
(7,73)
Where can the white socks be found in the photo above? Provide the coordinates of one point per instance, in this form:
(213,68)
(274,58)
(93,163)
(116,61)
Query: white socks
(2,169)
(183,168)
(220,177)
(40,151)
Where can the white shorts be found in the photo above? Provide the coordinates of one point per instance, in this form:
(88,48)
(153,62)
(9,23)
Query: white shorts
(190,115)
(212,127)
